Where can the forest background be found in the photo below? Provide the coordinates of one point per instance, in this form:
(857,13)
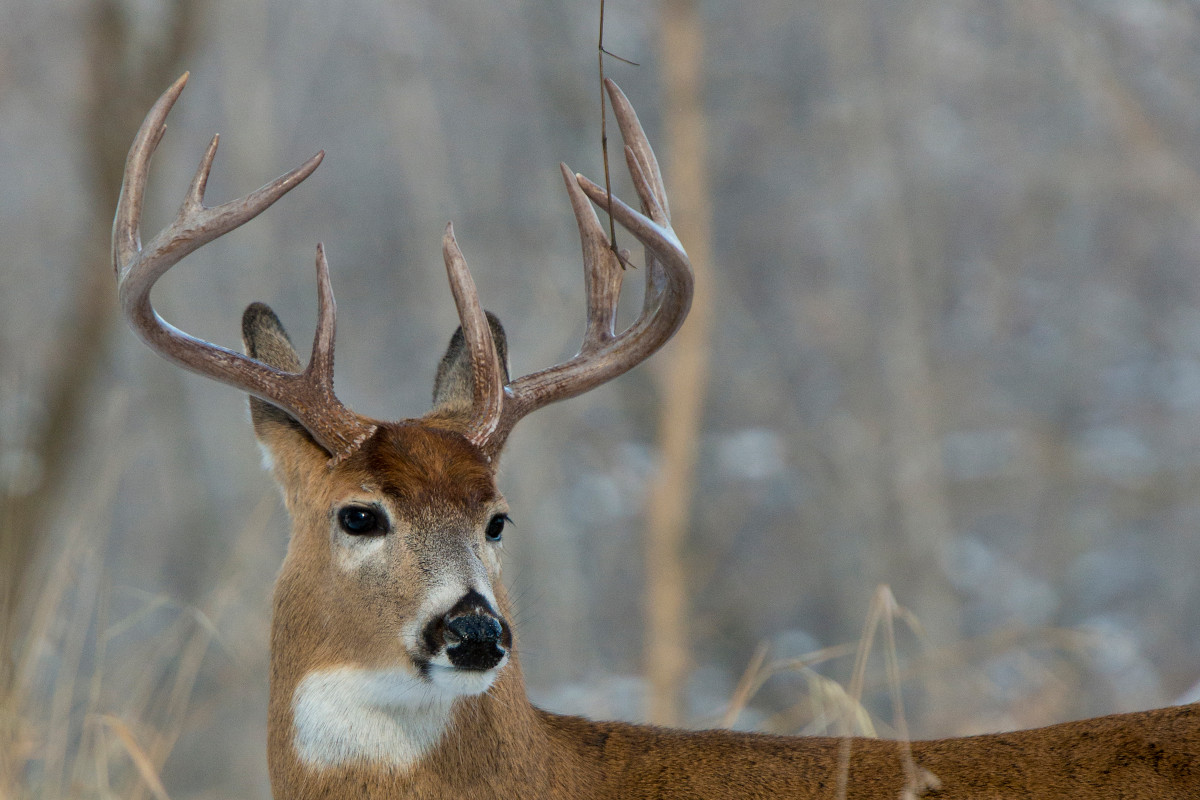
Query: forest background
(949,341)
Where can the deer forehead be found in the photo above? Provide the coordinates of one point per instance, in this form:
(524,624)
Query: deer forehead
(425,471)
(422,474)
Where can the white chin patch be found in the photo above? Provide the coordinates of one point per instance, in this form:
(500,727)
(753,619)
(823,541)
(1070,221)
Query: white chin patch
(388,716)
(462,682)
(383,716)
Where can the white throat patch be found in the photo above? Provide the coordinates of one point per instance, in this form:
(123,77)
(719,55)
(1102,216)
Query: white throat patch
(346,714)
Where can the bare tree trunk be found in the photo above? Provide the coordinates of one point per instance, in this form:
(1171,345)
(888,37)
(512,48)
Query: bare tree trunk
(685,378)
(124,85)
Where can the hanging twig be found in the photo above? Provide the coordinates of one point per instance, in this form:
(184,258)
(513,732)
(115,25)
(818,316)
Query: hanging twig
(601,52)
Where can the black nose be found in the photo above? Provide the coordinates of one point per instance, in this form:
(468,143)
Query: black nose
(474,636)
(472,628)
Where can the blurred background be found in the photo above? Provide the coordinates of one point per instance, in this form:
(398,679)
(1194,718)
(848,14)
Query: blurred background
(947,340)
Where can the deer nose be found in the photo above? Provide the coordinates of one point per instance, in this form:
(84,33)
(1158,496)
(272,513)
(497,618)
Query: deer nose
(473,641)
(472,628)
(474,636)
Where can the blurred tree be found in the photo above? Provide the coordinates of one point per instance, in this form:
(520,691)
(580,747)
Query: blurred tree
(128,68)
(685,367)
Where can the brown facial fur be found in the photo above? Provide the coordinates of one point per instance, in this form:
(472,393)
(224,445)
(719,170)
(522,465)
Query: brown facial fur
(435,491)
(425,467)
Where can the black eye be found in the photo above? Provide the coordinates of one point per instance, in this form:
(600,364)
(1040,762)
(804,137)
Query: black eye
(495,527)
(359,521)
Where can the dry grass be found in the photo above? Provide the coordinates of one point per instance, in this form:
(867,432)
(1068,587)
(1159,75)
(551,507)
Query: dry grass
(829,707)
(1054,668)
(81,718)
(92,702)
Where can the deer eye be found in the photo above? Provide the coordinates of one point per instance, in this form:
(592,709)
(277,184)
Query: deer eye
(360,521)
(495,527)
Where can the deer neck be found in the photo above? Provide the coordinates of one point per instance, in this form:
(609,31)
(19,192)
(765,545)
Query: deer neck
(337,729)
(341,732)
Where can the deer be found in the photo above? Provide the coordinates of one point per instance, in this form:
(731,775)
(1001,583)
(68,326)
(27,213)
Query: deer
(394,670)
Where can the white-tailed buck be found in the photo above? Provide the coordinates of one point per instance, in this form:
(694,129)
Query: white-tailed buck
(393,667)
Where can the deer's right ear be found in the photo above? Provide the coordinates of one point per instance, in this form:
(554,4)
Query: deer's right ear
(266,341)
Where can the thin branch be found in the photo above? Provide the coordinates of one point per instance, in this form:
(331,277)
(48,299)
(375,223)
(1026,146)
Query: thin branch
(622,59)
(601,52)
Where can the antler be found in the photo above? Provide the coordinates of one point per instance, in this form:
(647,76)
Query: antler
(604,354)
(308,396)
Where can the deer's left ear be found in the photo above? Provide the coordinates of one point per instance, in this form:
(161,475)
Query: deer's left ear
(283,436)
(454,385)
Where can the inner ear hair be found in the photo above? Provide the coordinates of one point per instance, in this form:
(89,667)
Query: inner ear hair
(266,340)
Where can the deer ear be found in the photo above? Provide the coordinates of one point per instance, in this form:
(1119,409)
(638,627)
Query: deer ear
(453,388)
(265,340)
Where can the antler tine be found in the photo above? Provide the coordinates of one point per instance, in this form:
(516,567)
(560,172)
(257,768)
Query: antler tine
(662,246)
(668,280)
(320,362)
(647,181)
(307,396)
(126,237)
(488,377)
(606,354)
(667,270)
(602,275)
(638,146)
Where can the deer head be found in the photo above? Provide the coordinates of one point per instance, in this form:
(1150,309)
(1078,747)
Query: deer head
(390,594)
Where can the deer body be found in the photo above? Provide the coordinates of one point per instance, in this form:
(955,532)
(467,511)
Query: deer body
(344,724)
(394,671)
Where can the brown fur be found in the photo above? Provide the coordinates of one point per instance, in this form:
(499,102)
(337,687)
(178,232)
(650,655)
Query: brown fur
(500,746)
